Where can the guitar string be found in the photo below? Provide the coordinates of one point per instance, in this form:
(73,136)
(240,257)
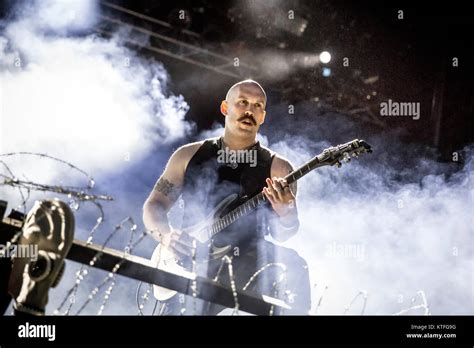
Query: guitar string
(229,218)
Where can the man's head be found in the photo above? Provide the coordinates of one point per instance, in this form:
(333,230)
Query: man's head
(244,108)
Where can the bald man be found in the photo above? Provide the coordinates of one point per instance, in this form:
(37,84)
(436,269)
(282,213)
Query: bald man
(201,175)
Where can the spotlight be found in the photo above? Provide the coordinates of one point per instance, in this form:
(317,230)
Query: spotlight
(326,72)
(325,57)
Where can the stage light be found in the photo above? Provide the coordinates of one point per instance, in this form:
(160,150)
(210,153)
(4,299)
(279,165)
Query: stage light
(325,57)
(326,72)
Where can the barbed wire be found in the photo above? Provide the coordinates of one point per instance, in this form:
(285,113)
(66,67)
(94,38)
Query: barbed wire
(109,278)
(320,301)
(76,195)
(38,154)
(275,283)
(364,295)
(145,297)
(77,192)
(32,186)
(228,260)
(127,251)
(81,273)
(23,199)
(423,305)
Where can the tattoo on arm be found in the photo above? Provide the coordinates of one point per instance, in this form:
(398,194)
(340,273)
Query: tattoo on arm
(165,187)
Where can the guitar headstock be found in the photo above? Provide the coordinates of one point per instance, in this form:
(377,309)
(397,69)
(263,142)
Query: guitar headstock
(336,155)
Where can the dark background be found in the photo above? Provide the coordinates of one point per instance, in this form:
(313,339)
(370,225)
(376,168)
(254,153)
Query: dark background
(412,59)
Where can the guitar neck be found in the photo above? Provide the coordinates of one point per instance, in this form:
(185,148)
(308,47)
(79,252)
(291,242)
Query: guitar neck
(298,173)
(254,202)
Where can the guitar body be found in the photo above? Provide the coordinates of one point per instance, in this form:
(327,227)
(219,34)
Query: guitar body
(166,259)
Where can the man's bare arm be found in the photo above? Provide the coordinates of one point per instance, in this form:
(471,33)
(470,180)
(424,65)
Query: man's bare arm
(166,191)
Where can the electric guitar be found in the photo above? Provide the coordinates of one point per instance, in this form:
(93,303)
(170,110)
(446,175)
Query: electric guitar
(220,218)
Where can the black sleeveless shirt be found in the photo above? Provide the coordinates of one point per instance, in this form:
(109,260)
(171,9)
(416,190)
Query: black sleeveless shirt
(207,181)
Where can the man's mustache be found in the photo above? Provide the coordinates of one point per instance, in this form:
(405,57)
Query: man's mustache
(248,117)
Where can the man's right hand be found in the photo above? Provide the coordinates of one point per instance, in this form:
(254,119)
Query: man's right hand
(178,241)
